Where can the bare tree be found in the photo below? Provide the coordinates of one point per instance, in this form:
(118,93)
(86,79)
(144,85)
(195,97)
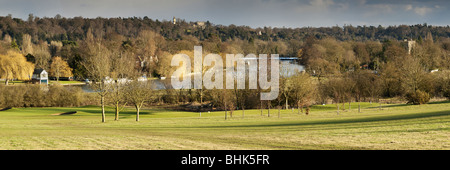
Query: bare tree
(302,90)
(339,89)
(229,101)
(138,93)
(243,96)
(42,55)
(27,46)
(121,62)
(363,83)
(98,66)
(224,99)
(117,97)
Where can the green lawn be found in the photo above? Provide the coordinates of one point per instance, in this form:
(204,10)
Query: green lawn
(50,82)
(12,82)
(66,82)
(394,127)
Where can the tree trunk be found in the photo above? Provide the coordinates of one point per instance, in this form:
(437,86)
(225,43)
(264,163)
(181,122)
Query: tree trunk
(287,106)
(117,111)
(6,81)
(180,98)
(57,75)
(102,101)
(337,108)
(201,96)
(225,114)
(261,108)
(307,110)
(137,113)
(359,107)
(279,107)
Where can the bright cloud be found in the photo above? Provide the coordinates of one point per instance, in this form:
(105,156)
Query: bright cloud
(408,7)
(422,11)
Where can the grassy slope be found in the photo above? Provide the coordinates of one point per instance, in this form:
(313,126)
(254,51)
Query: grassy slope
(393,127)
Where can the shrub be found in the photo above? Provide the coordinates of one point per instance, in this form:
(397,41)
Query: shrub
(73,96)
(40,96)
(2,88)
(12,96)
(34,96)
(64,96)
(446,88)
(418,97)
(447,93)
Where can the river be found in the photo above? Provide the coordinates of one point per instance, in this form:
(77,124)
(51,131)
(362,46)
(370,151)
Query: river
(287,69)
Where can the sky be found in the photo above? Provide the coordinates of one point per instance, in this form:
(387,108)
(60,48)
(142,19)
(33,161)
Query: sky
(253,13)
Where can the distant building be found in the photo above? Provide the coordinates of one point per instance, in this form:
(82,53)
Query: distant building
(411,45)
(40,76)
(142,78)
(174,20)
(108,80)
(200,24)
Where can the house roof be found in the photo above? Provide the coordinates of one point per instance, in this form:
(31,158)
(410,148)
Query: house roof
(38,71)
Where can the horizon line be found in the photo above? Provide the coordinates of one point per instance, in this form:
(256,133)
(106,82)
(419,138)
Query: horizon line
(212,23)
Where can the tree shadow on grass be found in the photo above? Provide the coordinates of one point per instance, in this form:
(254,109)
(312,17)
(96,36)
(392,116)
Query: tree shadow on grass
(439,102)
(345,121)
(401,105)
(387,106)
(111,110)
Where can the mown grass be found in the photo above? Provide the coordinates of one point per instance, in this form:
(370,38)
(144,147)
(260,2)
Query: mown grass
(63,82)
(392,127)
(12,82)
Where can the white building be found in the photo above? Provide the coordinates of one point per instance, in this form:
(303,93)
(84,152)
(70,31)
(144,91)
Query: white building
(40,76)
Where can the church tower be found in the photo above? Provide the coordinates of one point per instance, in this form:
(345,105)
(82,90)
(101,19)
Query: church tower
(174,20)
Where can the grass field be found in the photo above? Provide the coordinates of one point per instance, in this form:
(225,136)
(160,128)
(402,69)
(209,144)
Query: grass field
(394,127)
(19,82)
(66,82)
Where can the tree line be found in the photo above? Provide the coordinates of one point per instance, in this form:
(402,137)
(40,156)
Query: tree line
(68,30)
(343,64)
(147,40)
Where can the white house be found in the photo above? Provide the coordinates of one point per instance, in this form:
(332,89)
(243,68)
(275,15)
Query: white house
(40,76)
